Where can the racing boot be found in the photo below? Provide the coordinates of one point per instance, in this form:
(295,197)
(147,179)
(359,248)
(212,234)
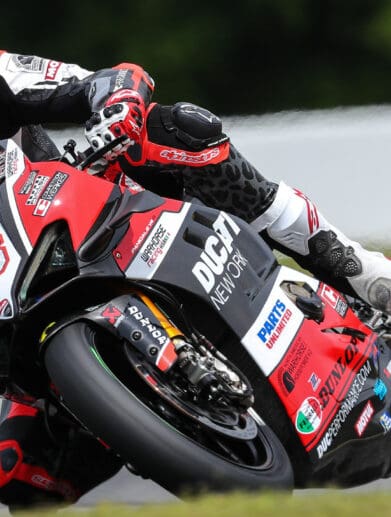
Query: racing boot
(38,468)
(297,228)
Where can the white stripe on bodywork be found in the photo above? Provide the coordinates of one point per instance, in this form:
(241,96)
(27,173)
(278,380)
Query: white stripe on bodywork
(15,163)
(7,277)
(171,221)
(268,354)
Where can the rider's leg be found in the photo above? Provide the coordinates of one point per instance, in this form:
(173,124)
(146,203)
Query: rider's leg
(288,219)
(36,470)
(294,225)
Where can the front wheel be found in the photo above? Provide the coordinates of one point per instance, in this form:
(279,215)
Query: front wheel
(155,440)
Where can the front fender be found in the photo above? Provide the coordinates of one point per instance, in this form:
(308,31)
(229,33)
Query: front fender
(129,319)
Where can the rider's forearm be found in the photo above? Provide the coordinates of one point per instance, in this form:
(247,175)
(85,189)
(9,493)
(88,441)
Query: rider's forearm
(35,90)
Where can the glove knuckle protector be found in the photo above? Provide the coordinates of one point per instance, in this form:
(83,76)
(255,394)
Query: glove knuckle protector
(112,122)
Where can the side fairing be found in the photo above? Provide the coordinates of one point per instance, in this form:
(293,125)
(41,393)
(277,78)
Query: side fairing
(324,371)
(331,373)
(206,252)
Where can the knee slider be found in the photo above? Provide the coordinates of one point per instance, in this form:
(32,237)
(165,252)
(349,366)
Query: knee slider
(11,457)
(379,294)
(195,126)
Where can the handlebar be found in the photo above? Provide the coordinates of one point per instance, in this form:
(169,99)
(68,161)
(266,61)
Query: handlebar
(97,155)
(84,159)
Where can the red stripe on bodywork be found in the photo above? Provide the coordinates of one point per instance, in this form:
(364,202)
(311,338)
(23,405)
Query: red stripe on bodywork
(21,410)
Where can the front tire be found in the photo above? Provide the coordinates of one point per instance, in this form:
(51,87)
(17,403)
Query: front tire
(151,444)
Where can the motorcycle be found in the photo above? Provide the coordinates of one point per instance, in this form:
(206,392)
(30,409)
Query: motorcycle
(168,331)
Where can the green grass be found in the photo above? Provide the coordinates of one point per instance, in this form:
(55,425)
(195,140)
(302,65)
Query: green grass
(330,504)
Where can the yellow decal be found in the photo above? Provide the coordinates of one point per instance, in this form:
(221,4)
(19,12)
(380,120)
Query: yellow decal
(44,334)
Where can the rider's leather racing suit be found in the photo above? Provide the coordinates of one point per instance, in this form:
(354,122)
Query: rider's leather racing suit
(184,153)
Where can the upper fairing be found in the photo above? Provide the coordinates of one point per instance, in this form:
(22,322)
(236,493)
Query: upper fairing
(32,197)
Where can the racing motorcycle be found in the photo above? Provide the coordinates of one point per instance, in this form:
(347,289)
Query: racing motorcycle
(168,331)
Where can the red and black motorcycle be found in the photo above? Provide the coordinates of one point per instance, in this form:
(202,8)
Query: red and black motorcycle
(169,332)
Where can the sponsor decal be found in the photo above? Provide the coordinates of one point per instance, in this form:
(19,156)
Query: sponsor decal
(39,184)
(5,308)
(294,364)
(387,369)
(154,248)
(11,162)
(132,185)
(122,96)
(334,299)
(309,416)
(166,351)
(268,357)
(142,236)
(167,356)
(54,186)
(176,155)
(334,378)
(312,213)
(380,389)
(145,322)
(223,289)
(385,421)
(4,257)
(314,381)
(14,163)
(274,324)
(25,63)
(138,268)
(364,418)
(42,207)
(52,69)
(2,163)
(288,381)
(25,188)
(346,407)
(112,314)
(47,483)
(120,79)
(220,264)
(43,482)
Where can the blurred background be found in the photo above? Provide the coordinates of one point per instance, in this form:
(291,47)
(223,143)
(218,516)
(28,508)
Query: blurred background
(303,86)
(247,57)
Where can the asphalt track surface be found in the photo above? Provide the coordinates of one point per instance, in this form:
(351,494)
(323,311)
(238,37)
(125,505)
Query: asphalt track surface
(127,489)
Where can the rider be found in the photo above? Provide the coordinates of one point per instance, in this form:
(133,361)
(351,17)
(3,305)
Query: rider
(174,150)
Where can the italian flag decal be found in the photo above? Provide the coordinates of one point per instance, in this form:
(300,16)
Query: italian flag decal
(309,416)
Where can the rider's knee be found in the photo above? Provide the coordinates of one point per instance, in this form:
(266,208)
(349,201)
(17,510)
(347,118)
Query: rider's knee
(185,126)
(11,457)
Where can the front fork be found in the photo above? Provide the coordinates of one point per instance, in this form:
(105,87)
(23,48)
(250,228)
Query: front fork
(137,321)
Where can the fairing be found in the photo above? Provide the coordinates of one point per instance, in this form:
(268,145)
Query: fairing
(32,197)
(331,373)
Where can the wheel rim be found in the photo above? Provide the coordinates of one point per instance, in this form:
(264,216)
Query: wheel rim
(254,451)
